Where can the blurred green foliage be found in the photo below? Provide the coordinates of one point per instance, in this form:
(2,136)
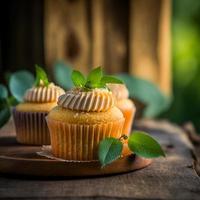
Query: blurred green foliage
(18,83)
(186,62)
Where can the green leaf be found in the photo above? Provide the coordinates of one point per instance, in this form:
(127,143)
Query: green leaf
(144,145)
(109,150)
(94,77)
(12,101)
(3,92)
(78,78)
(41,76)
(148,93)
(62,74)
(110,79)
(4,112)
(19,82)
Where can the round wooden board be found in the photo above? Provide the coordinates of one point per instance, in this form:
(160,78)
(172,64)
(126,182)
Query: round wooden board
(22,160)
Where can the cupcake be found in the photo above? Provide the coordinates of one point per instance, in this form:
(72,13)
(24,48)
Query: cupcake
(29,116)
(84,116)
(124,104)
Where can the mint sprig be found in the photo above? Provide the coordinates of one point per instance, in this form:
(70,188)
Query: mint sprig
(78,78)
(140,143)
(95,76)
(95,79)
(41,76)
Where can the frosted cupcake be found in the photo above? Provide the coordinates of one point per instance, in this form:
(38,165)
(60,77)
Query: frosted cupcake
(124,104)
(29,116)
(84,116)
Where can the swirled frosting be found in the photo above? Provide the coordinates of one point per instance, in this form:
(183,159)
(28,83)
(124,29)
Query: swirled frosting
(96,100)
(43,94)
(120,91)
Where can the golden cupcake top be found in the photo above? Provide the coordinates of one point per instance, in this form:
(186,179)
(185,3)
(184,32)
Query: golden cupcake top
(90,93)
(96,100)
(43,91)
(120,91)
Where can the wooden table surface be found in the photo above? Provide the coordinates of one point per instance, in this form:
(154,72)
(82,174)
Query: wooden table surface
(173,177)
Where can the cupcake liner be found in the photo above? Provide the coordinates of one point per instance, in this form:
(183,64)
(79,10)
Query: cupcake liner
(46,151)
(31,127)
(129,115)
(80,141)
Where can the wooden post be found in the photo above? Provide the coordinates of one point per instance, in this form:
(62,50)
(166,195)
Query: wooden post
(116,36)
(66,33)
(149,41)
(164,47)
(98,43)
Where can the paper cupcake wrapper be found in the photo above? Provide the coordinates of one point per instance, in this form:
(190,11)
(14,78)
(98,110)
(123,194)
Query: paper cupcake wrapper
(46,151)
(129,117)
(31,127)
(80,141)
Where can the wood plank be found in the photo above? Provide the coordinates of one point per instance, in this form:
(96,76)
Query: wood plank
(116,27)
(195,139)
(164,47)
(150,41)
(67,33)
(98,43)
(172,177)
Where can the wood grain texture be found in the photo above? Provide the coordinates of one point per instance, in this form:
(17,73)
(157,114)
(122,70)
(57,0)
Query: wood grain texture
(171,178)
(66,33)
(150,41)
(98,41)
(131,36)
(116,30)
(144,20)
(164,47)
(122,36)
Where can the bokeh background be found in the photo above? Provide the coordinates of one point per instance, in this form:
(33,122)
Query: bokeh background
(153,40)
(185,62)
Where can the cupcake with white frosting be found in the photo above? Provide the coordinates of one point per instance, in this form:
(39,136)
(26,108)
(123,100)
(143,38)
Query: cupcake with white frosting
(84,116)
(29,116)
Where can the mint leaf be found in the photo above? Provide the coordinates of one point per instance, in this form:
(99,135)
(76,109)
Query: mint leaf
(41,76)
(110,79)
(12,101)
(109,150)
(3,92)
(144,145)
(94,77)
(78,78)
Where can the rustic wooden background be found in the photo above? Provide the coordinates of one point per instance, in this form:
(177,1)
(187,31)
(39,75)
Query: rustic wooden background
(123,36)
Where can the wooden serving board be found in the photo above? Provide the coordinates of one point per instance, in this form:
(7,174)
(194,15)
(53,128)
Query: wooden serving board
(23,160)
